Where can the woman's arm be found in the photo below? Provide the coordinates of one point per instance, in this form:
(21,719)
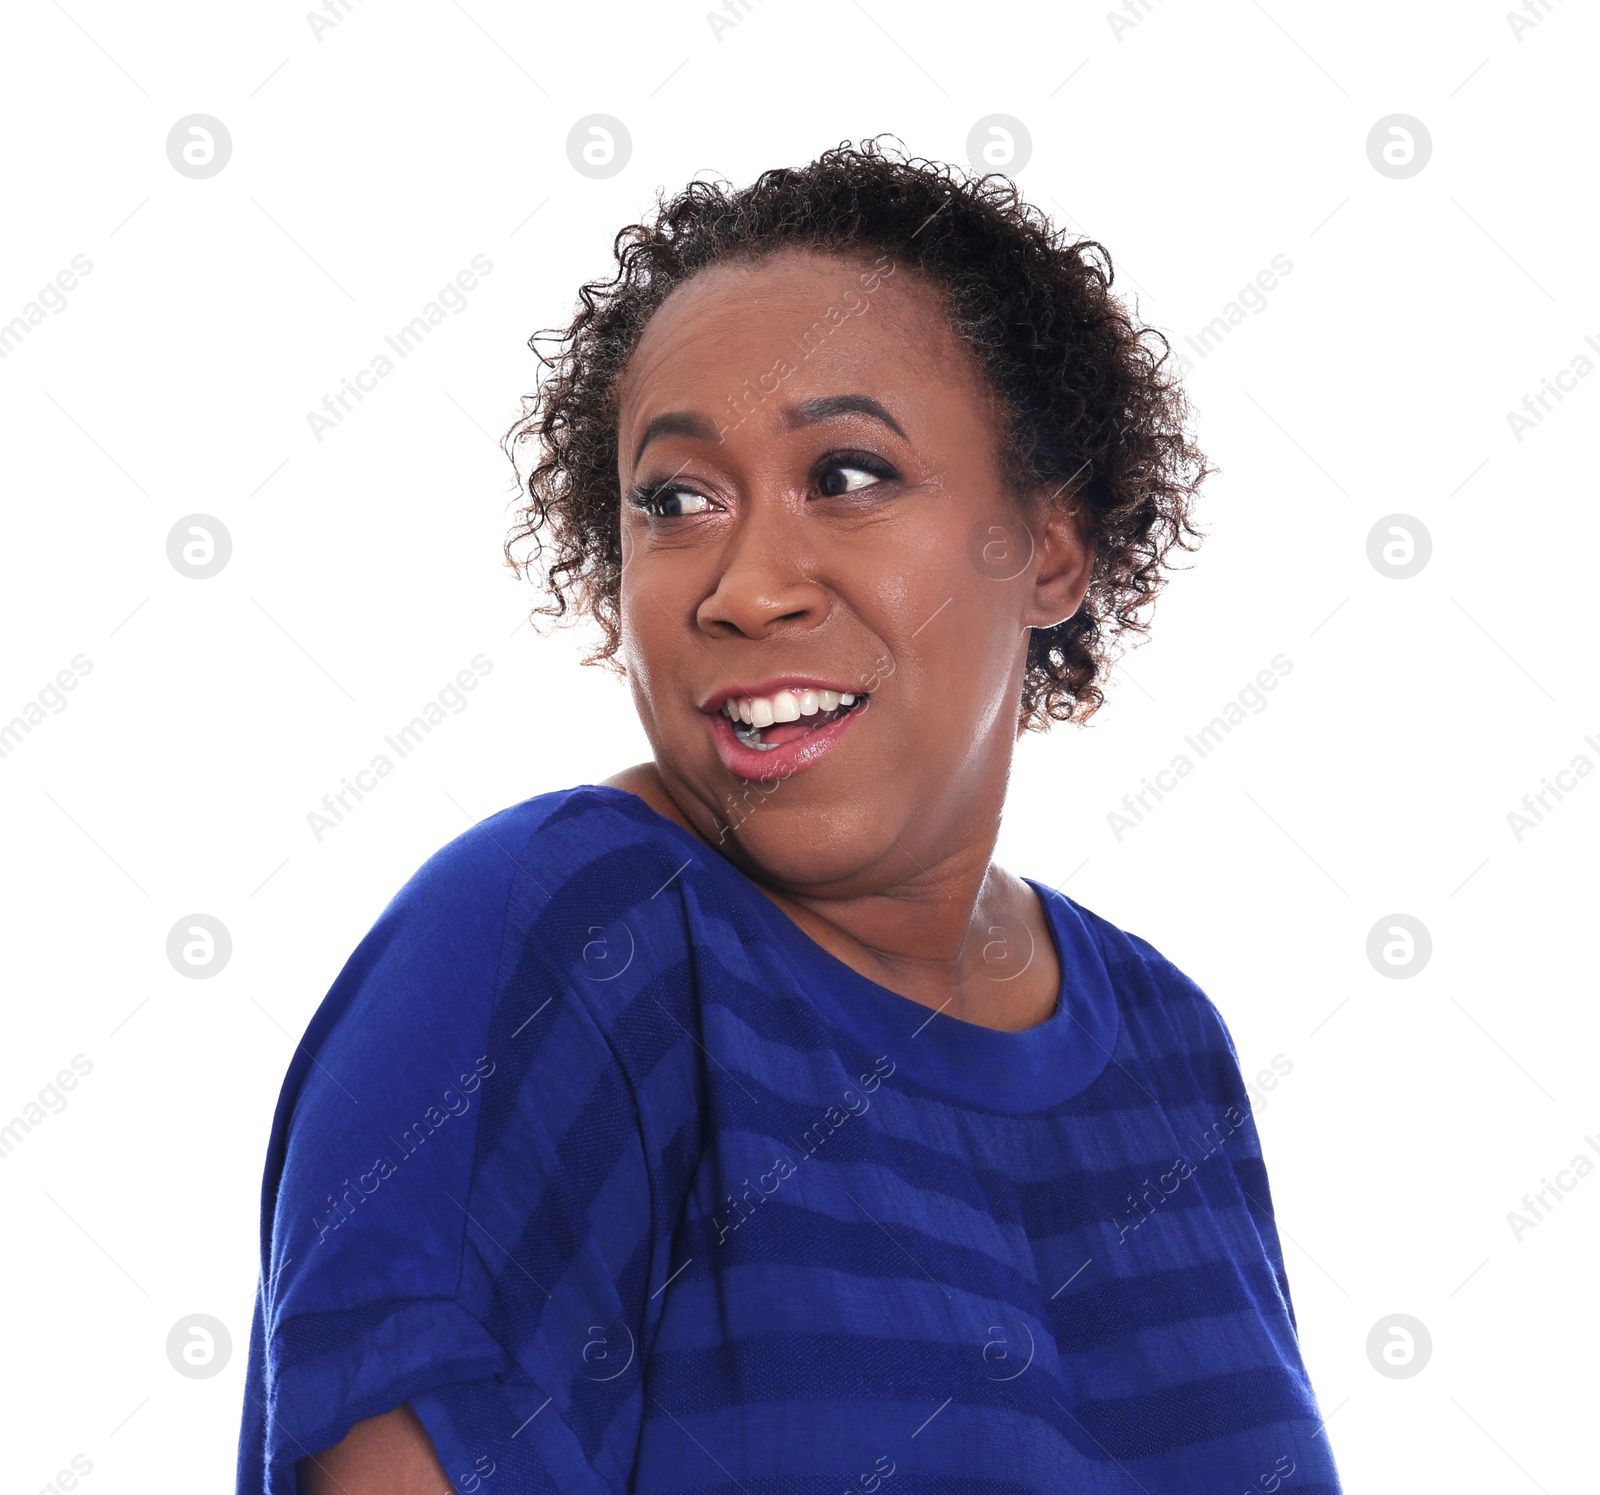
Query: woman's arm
(387,1455)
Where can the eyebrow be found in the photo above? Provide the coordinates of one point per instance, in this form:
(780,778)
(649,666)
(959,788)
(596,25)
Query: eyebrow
(813,412)
(675,423)
(806,413)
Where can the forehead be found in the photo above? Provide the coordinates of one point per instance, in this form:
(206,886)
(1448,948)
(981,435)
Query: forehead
(830,317)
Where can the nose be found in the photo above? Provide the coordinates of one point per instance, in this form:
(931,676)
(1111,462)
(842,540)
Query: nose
(764,586)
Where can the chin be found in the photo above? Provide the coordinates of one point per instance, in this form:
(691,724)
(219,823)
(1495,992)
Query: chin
(811,845)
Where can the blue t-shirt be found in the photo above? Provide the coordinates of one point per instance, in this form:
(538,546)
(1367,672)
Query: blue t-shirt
(626,1184)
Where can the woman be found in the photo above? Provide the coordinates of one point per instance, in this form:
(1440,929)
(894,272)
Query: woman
(735,1123)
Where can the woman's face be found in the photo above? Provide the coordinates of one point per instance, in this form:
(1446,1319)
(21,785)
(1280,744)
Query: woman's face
(812,502)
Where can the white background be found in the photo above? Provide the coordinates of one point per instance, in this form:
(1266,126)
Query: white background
(368,167)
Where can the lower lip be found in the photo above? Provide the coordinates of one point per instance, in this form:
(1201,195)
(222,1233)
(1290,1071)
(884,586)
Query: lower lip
(785,759)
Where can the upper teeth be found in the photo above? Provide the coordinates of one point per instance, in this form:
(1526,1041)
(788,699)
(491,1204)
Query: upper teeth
(785,706)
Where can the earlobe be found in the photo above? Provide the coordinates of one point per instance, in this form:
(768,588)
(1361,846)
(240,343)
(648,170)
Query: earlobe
(1067,546)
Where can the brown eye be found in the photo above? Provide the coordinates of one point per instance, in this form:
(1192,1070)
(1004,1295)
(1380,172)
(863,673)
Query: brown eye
(673,503)
(844,474)
(669,502)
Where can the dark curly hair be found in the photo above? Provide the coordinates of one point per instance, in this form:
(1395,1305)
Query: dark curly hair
(1080,385)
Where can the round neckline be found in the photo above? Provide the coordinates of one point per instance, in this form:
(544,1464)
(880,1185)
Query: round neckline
(992,1069)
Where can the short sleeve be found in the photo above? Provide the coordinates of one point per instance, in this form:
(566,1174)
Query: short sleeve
(455,1200)
(1215,1058)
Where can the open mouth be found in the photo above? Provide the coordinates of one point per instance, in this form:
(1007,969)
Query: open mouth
(765,723)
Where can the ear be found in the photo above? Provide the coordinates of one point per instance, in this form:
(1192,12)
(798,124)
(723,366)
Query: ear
(1064,542)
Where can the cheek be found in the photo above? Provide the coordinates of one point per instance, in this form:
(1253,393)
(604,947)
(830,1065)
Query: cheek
(938,591)
(949,635)
(643,589)
(656,607)
(635,610)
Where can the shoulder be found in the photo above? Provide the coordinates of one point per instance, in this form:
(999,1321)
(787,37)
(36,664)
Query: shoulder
(1160,1002)
(535,882)
(461,1079)
(407,1038)
(564,855)
(539,848)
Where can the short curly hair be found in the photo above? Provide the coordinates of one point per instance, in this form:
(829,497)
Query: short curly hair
(1083,389)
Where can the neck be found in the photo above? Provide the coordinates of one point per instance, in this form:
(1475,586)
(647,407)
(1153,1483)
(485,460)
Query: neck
(945,927)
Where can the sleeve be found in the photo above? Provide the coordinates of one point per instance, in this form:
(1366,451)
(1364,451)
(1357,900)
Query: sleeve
(456,1203)
(1221,1075)
(1201,1084)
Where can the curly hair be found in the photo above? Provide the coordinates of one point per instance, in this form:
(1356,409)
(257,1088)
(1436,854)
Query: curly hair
(1080,386)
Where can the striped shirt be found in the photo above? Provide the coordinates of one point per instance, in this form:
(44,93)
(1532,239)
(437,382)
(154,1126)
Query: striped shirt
(626,1184)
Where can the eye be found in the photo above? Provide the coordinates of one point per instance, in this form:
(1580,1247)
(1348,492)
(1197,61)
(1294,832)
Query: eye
(840,473)
(668,501)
